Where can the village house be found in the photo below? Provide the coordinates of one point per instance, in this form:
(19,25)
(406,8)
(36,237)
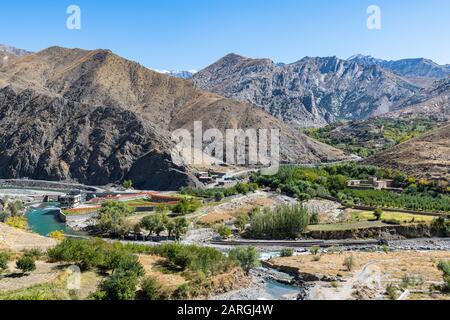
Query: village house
(71,200)
(373,183)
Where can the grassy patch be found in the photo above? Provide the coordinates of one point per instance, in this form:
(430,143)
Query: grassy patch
(49,291)
(399,216)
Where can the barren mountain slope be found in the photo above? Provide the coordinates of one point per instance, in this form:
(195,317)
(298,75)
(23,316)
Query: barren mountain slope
(52,138)
(427,156)
(88,81)
(310,92)
(421,72)
(433,102)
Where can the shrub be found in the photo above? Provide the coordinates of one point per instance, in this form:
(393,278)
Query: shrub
(3,216)
(248,258)
(314,219)
(119,286)
(208,261)
(391,291)
(218,196)
(5,257)
(224,231)
(314,250)
(334,284)
(33,253)
(150,289)
(94,253)
(16,208)
(407,282)
(26,264)
(378,213)
(393,222)
(441,226)
(127,184)
(349,263)
(58,235)
(183,292)
(241,222)
(444,267)
(287,252)
(17,222)
(85,254)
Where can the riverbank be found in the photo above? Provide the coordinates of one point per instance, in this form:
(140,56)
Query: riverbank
(365,275)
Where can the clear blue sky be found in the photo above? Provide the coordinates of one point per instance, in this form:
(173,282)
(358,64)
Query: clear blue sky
(191,34)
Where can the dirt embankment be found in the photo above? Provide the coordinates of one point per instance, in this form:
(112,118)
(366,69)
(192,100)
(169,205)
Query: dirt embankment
(394,232)
(17,240)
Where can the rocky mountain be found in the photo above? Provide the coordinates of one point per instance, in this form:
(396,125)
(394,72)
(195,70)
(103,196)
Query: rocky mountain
(309,92)
(8,50)
(51,138)
(426,157)
(178,74)
(94,117)
(422,72)
(432,102)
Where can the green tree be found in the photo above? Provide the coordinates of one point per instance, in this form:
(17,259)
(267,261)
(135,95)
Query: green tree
(121,285)
(163,209)
(281,222)
(112,218)
(170,226)
(248,258)
(26,264)
(186,206)
(122,260)
(181,227)
(155,223)
(337,182)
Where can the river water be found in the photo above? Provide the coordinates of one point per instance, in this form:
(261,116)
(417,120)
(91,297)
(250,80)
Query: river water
(277,290)
(43,220)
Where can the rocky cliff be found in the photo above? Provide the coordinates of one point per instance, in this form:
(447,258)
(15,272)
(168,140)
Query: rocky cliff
(309,92)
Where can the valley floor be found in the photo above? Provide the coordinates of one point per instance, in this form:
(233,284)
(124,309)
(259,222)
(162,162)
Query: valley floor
(413,272)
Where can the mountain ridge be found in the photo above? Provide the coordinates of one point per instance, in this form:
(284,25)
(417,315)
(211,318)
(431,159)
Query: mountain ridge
(100,80)
(313,91)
